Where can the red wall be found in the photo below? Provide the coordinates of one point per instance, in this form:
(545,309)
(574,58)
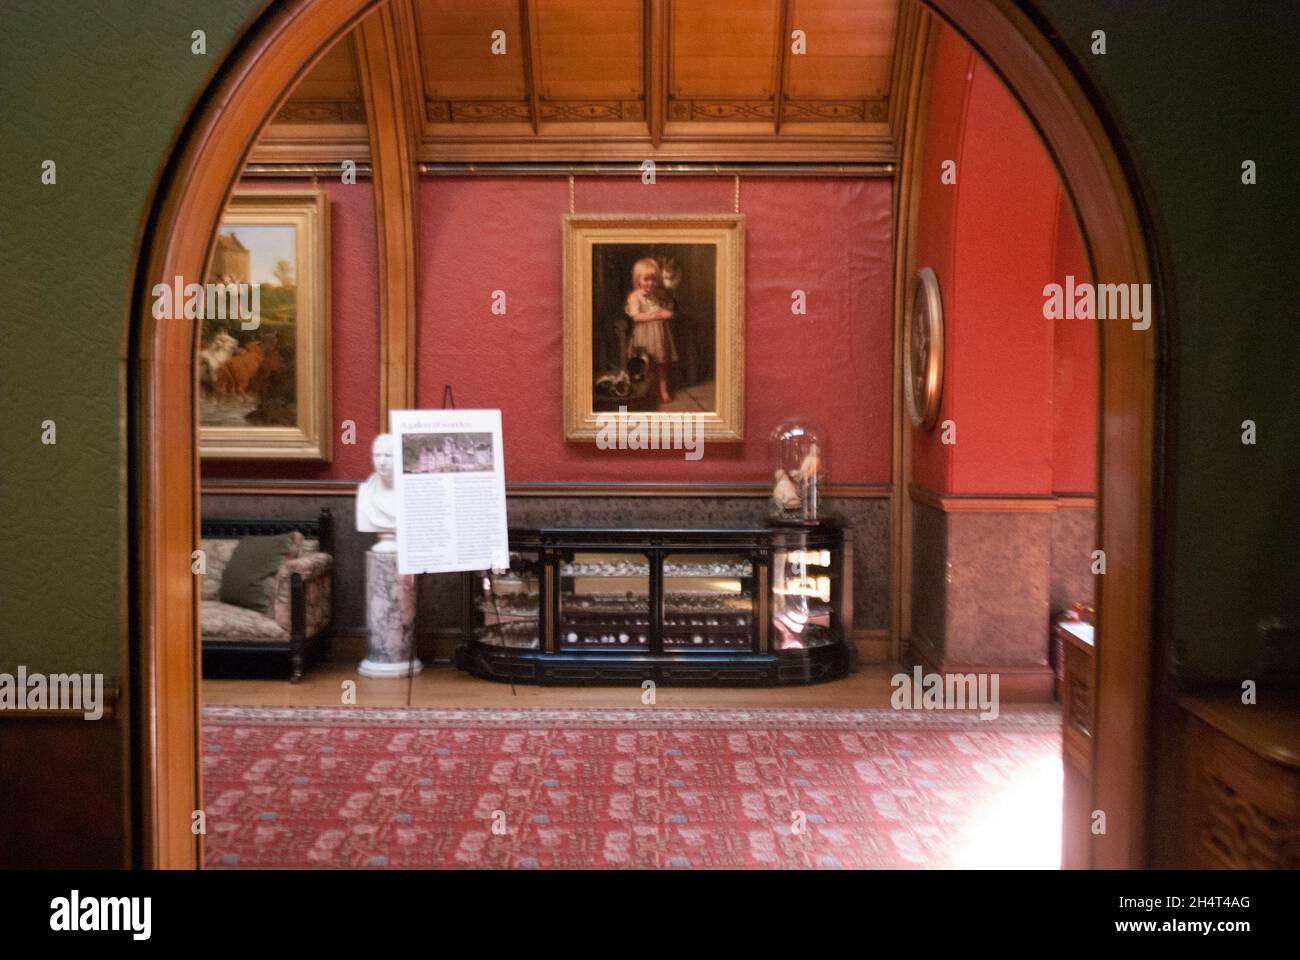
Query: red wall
(950,73)
(829,237)
(1074,427)
(354,308)
(1025,423)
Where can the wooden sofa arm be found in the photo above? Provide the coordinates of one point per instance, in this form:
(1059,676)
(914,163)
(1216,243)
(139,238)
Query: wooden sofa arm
(301,605)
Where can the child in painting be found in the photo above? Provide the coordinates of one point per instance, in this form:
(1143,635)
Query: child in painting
(651,308)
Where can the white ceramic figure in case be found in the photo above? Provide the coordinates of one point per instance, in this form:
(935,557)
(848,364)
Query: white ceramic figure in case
(800,459)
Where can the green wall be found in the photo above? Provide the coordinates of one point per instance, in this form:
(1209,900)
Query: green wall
(101,89)
(1194,89)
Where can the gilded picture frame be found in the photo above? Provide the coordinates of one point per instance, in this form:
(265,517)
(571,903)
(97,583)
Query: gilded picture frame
(264,382)
(654,308)
(923,349)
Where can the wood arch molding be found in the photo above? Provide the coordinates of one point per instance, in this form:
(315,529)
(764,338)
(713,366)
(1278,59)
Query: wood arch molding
(193,189)
(191,195)
(1091,171)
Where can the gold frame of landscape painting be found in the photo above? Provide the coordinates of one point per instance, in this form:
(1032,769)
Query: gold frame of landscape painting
(654,306)
(264,384)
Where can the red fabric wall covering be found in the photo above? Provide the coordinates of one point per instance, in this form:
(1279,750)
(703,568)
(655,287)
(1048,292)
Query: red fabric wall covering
(828,237)
(952,66)
(1002,349)
(354,306)
(1074,427)
(995,238)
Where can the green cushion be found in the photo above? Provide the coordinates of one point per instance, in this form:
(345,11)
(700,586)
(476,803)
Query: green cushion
(247,580)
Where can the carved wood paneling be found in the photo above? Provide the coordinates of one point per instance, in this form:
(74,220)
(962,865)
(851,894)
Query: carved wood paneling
(322,111)
(1239,833)
(330,92)
(593,110)
(721,110)
(1241,786)
(489,111)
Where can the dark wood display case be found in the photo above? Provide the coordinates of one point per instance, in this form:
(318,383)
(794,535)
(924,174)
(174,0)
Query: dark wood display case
(754,606)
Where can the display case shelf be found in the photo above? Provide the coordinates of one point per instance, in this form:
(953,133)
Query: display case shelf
(752,606)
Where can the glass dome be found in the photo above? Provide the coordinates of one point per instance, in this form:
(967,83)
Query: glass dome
(800,451)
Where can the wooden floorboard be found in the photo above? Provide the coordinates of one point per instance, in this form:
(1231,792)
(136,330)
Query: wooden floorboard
(442,685)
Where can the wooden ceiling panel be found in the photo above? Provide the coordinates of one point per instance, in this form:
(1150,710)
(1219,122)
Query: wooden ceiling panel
(850,47)
(334,77)
(330,92)
(455,44)
(723,49)
(589,49)
(621,79)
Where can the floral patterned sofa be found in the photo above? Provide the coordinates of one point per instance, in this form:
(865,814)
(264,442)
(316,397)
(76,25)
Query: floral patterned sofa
(298,626)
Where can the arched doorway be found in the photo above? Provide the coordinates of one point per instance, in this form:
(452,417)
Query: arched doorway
(192,194)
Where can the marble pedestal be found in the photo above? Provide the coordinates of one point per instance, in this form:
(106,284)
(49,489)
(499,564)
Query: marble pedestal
(390,614)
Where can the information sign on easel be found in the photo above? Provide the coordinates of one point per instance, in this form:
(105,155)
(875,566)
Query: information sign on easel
(451,492)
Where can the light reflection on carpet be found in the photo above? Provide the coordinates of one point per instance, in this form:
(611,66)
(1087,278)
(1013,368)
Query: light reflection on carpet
(315,787)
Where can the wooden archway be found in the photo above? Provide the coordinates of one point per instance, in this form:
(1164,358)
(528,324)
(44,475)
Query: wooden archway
(193,190)
(1090,166)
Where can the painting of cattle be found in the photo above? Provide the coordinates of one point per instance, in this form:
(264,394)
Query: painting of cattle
(264,363)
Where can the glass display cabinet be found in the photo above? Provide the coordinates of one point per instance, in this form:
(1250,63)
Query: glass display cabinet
(709,601)
(603,601)
(806,586)
(750,606)
(510,603)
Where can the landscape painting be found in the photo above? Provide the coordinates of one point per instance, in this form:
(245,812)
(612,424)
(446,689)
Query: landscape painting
(264,363)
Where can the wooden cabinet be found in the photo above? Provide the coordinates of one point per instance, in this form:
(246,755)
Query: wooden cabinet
(1240,784)
(1077,643)
(1078,714)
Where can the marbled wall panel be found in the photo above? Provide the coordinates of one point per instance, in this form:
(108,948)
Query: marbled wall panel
(929,578)
(1073,540)
(439,603)
(999,584)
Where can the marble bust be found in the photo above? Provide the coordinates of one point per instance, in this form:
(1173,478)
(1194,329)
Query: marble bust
(390,596)
(377,498)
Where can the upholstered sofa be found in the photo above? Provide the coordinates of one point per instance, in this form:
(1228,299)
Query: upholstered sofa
(296,626)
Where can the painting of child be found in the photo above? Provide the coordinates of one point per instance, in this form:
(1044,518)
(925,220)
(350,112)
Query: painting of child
(650,309)
(654,319)
(653,316)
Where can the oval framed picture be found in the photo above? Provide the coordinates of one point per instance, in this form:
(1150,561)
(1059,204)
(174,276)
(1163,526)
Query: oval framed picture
(923,351)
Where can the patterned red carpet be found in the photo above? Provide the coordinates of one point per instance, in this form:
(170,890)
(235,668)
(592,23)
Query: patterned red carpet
(325,787)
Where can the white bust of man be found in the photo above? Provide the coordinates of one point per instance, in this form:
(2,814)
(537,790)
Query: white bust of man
(377,498)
